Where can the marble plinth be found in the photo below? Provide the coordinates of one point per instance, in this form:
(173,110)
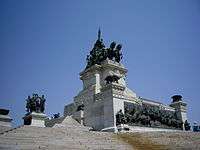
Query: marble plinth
(35,119)
(5,119)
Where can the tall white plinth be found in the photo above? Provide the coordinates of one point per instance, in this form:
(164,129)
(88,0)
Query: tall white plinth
(35,119)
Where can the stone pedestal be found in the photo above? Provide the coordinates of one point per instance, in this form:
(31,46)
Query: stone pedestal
(102,99)
(180,108)
(112,95)
(5,120)
(35,119)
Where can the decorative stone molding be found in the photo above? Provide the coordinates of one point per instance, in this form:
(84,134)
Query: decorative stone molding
(180,105)
(114,86)
(113,64)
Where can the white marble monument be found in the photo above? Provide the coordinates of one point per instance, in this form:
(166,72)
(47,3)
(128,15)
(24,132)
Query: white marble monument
(105,91)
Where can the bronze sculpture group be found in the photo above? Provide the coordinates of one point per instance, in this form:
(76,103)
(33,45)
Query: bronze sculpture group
(121,118)
(150,116)
(111,79)
(35,104)
(99,53)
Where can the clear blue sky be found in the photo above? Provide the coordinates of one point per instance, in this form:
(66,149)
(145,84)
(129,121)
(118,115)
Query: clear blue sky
(43,46)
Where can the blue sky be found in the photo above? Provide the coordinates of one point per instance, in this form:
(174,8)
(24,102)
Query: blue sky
(43,47)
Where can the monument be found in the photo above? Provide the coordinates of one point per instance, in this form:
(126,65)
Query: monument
(35,107)
(106,103)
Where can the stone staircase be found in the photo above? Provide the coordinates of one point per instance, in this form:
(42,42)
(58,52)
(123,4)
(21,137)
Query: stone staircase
(67,135)
(4,128)
(70,135)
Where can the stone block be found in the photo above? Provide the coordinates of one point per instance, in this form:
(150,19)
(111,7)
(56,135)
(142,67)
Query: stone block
(35,119)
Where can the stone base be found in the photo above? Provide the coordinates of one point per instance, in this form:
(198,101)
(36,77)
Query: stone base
(35,119)
(127,128)
(110,129)
(5,120)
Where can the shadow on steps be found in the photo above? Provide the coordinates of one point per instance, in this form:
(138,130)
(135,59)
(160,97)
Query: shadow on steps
(139,142)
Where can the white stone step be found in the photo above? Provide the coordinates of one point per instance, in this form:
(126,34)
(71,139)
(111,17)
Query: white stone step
(68,135)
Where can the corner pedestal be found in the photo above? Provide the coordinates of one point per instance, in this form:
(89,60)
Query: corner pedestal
(35,119)
(5,119)
(180,108)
